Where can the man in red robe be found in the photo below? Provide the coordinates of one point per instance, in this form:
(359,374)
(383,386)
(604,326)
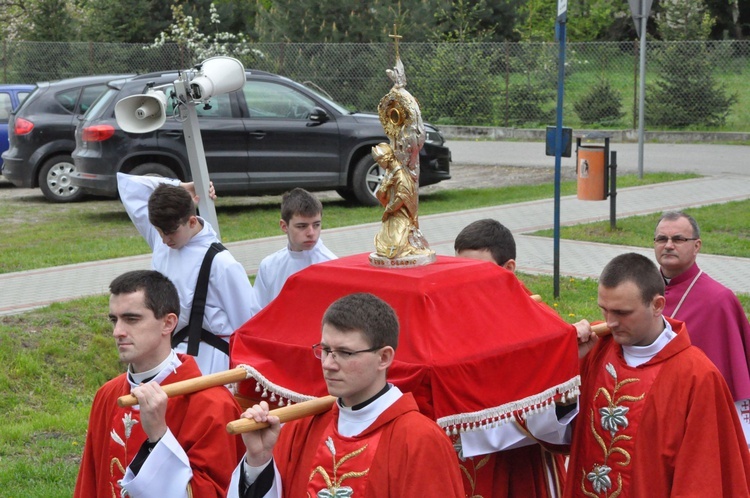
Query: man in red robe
(373,443)
(656,417)
(159,448)
(503,462)
(713,314)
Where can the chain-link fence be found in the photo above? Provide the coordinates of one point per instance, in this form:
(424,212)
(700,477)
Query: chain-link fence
(690,85)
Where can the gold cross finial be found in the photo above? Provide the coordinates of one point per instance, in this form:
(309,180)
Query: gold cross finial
(396,37)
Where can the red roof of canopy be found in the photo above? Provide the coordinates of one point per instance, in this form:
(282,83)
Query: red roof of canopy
(473,347)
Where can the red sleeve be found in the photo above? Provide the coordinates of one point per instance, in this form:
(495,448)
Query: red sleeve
(213,452)
(422,461)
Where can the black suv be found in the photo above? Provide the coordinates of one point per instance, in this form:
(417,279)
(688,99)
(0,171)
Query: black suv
(41,135)
(270,136)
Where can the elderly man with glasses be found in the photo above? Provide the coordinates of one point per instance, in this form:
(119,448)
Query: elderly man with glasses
(715,320)
(372,443)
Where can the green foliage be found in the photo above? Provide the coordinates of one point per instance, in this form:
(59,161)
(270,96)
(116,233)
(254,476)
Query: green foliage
(601,105)
(121,21)
(592,20)
(343,21)
(462,22)
(684,20)
(538,20)
(528,104)
(466,99)
(50,21)
(184,30)
(687,92)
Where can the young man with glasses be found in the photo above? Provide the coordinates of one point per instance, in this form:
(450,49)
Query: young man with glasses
(373,442)
(715,319)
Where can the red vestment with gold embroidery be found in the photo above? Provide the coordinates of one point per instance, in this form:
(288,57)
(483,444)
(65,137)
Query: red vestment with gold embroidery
(665,428)
(198,421)
(401,454)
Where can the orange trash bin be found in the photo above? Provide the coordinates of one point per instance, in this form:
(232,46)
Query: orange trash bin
(591,172)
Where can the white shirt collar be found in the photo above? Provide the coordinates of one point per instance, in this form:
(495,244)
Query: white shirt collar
(353,422)
(638,355)
(158,373)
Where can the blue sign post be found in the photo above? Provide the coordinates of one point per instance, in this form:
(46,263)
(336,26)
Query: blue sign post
(562,17)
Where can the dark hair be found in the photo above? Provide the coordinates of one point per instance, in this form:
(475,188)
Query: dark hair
(487,234)
(170,206)
(300,202)
(159,293)
(365,313)
(636,268)
(676,215)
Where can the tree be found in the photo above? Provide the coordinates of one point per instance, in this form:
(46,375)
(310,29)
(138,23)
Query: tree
(588,20)
(467,98)
(126,21)
(49,21)
(731,16)
(464,21)
(496,20)
(312,21)
(684,20)
(184,30)
(687,92)
(601,105)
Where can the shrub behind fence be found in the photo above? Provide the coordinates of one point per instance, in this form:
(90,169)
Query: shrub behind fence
(690,85)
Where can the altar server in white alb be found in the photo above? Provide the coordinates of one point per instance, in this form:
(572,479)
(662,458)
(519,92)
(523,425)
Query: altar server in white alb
(216,296)
(301,221)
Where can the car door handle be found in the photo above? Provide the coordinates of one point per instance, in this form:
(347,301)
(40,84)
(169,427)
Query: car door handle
(257,134)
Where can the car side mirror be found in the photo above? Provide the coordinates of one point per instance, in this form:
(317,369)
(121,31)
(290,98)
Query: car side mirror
(318,116)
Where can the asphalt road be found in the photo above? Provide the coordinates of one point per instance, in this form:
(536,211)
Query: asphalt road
(675,158)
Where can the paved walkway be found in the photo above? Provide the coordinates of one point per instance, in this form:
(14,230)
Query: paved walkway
(25,290)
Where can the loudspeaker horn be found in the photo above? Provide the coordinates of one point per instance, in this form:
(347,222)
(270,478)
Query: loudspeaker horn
(217,75)
(141,113)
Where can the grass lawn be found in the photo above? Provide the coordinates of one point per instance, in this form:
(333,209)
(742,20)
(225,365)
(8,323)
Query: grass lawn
(725,229)
(39,234)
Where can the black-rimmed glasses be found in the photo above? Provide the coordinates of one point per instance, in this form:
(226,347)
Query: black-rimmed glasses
(676,240)
(321,352)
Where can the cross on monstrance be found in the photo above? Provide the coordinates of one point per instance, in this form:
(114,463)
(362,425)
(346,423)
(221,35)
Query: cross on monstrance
(396,37)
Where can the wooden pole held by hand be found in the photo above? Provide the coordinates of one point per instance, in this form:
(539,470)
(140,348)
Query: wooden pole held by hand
(285,414)
(599,329)
(193,385)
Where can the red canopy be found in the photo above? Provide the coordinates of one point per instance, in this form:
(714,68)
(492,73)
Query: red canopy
(473,347)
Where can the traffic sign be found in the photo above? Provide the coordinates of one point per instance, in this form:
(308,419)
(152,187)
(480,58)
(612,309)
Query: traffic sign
(637,7)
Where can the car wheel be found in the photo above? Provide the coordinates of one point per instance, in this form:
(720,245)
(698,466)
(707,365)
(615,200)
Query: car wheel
(346,194)
(366,179)
(54,180)
(153,169)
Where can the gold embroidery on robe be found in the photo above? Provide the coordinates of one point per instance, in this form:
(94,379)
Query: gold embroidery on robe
(612,420)
(334,488)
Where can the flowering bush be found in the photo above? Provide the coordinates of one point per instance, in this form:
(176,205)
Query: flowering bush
(185,31)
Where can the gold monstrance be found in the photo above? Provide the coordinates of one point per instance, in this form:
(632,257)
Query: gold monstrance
(400,243)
